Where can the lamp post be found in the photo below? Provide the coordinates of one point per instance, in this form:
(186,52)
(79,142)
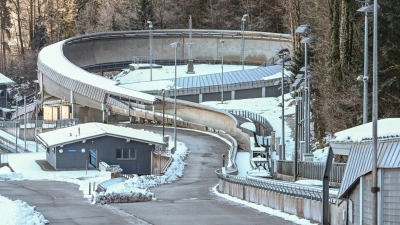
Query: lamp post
(36,112)
(222,74)
(282,53)
(366,8)
(242,49)
(304,30)
(151,49)
(175,45)
(375,188)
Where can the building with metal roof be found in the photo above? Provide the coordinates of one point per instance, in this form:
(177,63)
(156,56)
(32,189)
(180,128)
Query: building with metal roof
(241,84)
(86,145)
(357,180)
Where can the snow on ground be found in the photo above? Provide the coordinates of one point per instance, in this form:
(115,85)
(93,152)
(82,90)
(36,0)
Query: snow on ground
(18,212)
(261,208)
(243,163)
(268,108)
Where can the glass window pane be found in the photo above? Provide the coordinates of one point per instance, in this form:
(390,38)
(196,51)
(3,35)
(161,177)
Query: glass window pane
(119,153)
(125,153)
(132,153)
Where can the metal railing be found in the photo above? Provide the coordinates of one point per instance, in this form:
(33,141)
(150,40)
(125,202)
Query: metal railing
(31,123)
(281,187)
(253,116)
(117,66)
(311,170)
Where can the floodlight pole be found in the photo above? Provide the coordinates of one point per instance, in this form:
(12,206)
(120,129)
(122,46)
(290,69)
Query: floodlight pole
(222,74)
(175,45)
(151,49)
(365,78)
(36,114)
(242,49)
(283,107)
(307,101)
(163,112)
(375,188)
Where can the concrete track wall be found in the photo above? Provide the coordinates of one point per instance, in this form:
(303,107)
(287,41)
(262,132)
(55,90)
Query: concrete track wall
(97,51)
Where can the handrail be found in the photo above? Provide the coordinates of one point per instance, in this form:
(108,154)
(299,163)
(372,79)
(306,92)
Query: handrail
(281,187)
(179,33)
(312,170)
(253,116)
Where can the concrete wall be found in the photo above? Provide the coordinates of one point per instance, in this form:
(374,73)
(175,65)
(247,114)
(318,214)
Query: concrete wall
(97,51)
(302,207)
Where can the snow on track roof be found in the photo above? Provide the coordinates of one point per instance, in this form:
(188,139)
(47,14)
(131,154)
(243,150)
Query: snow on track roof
(53,57)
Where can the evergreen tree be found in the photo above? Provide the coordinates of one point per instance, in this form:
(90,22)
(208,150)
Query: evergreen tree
(145,12)
(5,23)
(40,38)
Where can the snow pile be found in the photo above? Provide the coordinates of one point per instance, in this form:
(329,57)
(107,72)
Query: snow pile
(18,212)
(7,174)
(137,188)
(320,154)
(249,126)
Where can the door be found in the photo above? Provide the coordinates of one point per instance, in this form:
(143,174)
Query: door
(92,158)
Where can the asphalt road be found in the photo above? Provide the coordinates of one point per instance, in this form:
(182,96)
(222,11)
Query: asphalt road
(187,201)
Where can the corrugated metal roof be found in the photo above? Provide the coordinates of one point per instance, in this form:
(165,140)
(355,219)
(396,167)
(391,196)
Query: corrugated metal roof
(360,160)
(5,80)
(232,77)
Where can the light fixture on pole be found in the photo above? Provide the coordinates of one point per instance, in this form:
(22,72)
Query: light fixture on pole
(36,112)
(366,8)
(175,45)
(304,30)
(151,49)
(242,49)
(375,189)
(222,74)
(282,53)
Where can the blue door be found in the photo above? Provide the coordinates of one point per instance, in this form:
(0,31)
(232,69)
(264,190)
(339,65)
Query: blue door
(93,158)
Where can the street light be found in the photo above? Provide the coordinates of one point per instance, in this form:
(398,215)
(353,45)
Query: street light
(222,74)
(375,188)
(36,112)
(366,8)
(242,50)
(151,49)
(175,45)
(304,30)
(282,53)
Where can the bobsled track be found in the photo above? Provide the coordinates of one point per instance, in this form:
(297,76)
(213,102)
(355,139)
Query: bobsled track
(68,74)
(63,74)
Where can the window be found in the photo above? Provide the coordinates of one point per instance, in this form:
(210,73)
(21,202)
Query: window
(125,153)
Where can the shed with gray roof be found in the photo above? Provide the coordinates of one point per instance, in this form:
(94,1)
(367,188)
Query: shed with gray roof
(86,145)
(357,180)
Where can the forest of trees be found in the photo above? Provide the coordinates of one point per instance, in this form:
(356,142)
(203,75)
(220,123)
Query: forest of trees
(336,57)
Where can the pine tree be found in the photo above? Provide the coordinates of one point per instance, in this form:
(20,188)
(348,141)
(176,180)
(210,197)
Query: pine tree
(145,13)
(5,23)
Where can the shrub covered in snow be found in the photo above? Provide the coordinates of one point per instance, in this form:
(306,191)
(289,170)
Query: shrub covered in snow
(136,188)
(107,198)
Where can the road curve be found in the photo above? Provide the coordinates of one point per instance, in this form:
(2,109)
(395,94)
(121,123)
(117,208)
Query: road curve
(189,200)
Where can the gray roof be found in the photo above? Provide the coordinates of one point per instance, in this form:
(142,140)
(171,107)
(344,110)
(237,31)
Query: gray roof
(83,132)
(5,80)
(360,160)
(240,76)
